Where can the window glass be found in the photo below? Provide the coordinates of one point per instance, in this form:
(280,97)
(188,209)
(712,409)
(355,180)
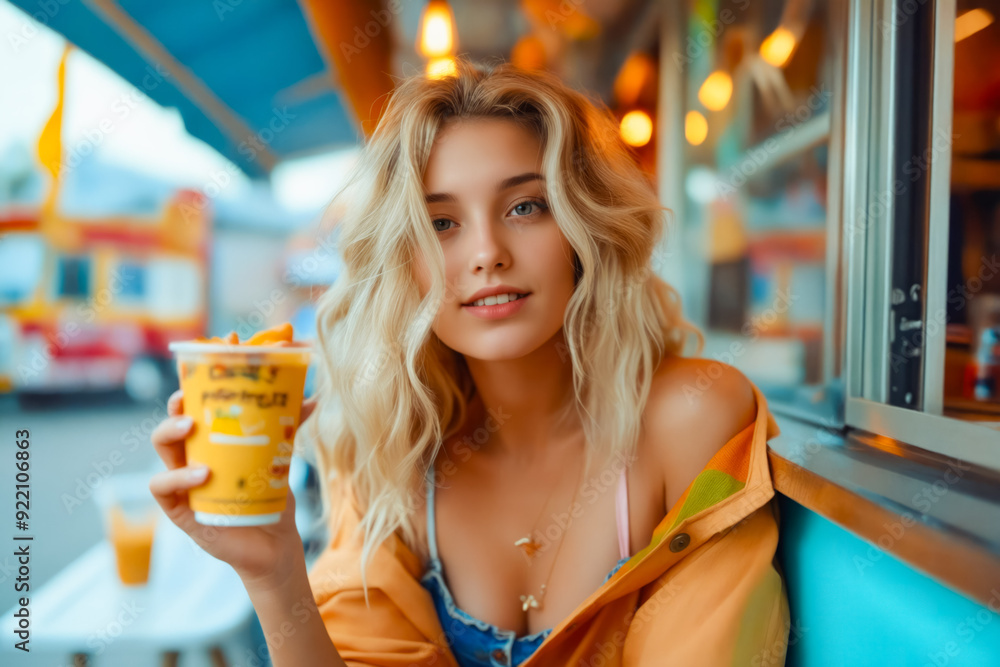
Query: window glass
(175,289)
(130,278)
(972,357)
(757,129)
(22,259)
(73,276)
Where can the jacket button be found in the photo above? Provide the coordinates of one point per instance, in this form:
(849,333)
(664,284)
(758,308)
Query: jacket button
(680,541)
(499,656)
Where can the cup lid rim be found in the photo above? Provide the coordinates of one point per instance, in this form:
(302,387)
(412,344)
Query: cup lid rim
(299,347)
(120,486)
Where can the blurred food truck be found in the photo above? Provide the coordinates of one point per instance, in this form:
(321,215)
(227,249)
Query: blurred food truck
(90,304)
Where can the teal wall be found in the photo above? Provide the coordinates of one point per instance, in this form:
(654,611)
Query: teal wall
(853,604)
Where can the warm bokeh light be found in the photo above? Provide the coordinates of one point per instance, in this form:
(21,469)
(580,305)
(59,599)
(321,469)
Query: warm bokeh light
(778,47)
(438,68)
(971,22)
(716,90)
(637,128)
(695,128)
(529,53)
(637,70)
(437,33)
(569,19)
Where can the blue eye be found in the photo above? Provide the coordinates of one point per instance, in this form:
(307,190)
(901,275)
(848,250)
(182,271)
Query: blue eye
(444,220)
(540,207)
(537,203)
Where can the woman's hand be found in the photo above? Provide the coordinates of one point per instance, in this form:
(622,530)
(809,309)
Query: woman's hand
(262,555)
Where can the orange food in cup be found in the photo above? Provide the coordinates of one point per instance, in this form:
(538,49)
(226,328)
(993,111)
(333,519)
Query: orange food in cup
(276,335)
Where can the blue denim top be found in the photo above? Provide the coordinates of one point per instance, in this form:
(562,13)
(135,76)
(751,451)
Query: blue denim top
(474,642)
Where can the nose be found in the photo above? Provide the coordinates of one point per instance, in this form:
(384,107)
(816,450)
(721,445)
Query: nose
(489,249)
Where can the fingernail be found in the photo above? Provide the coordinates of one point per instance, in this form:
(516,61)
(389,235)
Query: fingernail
(198,474)
(184,423)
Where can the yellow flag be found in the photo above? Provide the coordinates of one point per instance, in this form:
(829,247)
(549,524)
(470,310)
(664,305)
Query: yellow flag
(50,140)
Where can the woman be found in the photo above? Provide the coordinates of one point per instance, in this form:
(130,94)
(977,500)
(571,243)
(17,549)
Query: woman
(502,392)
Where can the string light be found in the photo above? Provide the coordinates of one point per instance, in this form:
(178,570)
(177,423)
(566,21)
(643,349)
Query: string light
(971,22)
(695,128)
(777,48)
(716,90)
(437,30)
(636,128)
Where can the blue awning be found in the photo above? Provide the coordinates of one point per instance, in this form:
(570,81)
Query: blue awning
(245,75)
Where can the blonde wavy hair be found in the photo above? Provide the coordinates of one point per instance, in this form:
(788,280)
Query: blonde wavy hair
(389,391)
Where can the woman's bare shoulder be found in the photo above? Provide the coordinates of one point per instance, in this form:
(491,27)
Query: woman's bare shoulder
(698,384)
(695,407)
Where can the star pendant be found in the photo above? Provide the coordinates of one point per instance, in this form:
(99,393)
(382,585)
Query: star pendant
(529,545)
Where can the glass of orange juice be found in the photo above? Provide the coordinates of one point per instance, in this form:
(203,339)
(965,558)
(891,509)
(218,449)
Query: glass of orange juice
(245,398)
(129,514)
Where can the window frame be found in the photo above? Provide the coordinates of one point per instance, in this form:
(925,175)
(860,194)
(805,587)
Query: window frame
(868,170)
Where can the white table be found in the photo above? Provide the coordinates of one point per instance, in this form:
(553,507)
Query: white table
(191,604)
(193,612)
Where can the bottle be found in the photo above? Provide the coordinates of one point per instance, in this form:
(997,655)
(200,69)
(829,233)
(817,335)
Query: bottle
(987,365)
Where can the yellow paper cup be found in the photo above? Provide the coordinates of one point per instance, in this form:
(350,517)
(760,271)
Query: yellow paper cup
(245,401)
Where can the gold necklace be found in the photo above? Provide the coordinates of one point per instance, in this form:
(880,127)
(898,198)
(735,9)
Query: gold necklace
(530,600)
(528,543)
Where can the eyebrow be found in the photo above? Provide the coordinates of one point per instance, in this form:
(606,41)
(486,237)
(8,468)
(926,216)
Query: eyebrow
(505,184)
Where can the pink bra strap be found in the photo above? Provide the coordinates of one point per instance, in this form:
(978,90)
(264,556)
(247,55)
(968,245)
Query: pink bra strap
(621,509)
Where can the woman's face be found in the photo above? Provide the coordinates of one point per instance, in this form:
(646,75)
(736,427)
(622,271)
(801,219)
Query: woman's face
(492,219)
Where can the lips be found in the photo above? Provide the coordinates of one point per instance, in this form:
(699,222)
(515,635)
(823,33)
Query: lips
(498,311)
(494,290)
(506,296)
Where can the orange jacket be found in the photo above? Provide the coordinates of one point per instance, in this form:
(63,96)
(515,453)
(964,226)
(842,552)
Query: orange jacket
(704,591)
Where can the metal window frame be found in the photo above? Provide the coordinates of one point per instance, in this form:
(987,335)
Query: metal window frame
(857,108)
(868,171)
(936,289)
(834,317)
